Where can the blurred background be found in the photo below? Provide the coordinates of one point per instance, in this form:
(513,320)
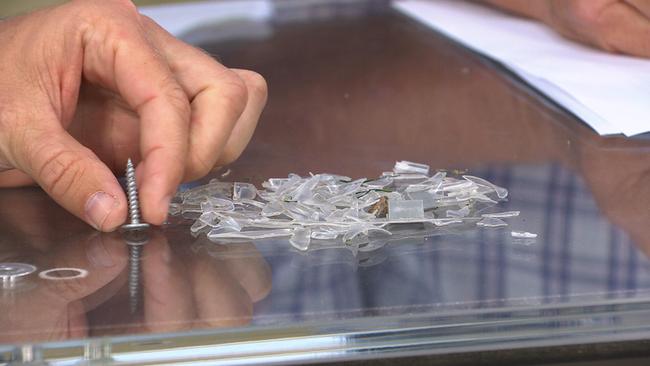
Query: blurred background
(10,8)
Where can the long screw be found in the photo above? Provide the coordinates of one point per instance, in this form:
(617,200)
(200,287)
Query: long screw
(135,235)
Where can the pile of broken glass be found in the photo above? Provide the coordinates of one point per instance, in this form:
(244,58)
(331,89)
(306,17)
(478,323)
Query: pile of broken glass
(335,208)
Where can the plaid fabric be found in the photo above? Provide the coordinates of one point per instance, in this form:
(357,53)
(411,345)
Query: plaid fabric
(578,256)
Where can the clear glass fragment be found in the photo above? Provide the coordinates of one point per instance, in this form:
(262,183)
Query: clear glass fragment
(272,209)
(523,234)
(209,218)
(405,209)
(274,184)
(409,178)
(197,226)
(380,183)
(175,209)
(369,199)
(427,197)
(491,222)
(251,202)
(244,191)
(218,204)
(301,238)
(324,233)
(500,191)
(445,222)
(229,223)
(502,215)
(251,235)
(410,167)
(461,212)
(332,209)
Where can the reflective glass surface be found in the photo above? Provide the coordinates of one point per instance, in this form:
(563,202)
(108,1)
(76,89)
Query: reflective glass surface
(354,87)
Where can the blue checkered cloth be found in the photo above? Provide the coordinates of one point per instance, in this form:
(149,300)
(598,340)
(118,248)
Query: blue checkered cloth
(578,257)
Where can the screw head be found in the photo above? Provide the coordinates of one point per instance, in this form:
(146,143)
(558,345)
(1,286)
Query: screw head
(134,227)
(135,234)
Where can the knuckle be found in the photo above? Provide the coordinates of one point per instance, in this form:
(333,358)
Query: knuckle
(256,83)
(585,13)
(198,165)
(59,171)
(177,98)
(234,93)
(174,96)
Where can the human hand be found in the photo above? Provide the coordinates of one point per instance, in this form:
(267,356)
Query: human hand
(90,83)
(613,25)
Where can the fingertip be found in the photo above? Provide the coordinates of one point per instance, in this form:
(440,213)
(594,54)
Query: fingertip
(160,213)
(116,217)
(156,193)
(105,211)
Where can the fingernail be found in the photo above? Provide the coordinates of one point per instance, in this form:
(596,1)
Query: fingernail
(98,207)
(98,255)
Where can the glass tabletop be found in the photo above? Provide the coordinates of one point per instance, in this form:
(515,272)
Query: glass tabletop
(354,87)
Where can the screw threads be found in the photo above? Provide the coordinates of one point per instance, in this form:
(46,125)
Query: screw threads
(132,192)
(134,277)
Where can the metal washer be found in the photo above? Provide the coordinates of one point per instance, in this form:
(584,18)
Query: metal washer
(9,272)
(46,275)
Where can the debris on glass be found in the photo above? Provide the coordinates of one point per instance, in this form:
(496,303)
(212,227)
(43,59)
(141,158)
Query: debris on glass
(330,209)
(410,167)
(462,212)
(502,215)
(491,222)
(523,234)
(380,208)
(244,191)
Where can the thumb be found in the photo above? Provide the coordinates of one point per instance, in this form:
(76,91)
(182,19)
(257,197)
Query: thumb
(74,177)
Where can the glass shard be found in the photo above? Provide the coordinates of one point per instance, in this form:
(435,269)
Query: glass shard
(491,222)
(405,209)
(244,191)
(410,167)
(523,234)
(301,238)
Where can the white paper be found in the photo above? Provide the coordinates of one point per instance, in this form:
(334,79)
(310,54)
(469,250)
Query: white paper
(609,92)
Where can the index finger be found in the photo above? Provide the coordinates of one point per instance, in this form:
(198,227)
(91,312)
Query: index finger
(133,68)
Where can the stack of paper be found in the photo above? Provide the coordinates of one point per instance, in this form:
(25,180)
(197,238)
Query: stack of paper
(609,92)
